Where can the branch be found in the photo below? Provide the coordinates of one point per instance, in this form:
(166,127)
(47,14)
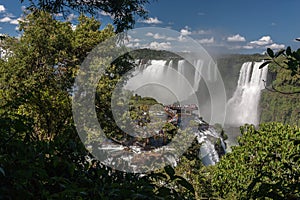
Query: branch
(273,89)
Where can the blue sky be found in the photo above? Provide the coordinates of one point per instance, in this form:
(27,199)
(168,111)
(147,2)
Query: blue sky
(222,26)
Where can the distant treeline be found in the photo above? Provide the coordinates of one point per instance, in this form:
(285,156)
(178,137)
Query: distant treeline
(150,54)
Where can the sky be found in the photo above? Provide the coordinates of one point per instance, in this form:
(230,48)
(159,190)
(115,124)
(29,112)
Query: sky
(222,26)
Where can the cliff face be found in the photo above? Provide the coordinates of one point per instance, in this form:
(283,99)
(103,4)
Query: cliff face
(279,107)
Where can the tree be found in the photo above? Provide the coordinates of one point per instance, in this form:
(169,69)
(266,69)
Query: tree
(42,156)
(123,12)
(287,62)
(264,165)
(39,76)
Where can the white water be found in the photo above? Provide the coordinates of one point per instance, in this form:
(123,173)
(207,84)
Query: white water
(197,76)
(166,82)
(242,108)
(208,153)
(170,82)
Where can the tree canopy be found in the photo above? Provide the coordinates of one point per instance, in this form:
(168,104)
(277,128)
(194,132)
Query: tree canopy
(286,62)
(123,12)
(42,157)
(264,165)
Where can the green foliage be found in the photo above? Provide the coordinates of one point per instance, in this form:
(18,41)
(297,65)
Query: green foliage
(150,54)
(291,59)
(280,108)
(41,155)
(264,165)
(280,101)
(122,11)
(287,65)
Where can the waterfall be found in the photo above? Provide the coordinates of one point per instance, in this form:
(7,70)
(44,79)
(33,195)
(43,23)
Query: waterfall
(164,81)
(207,139)
(197,76)
(181,71)
(183,79)
(243,106)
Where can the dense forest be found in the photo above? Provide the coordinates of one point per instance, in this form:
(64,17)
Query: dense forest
(42,156)
(283,105)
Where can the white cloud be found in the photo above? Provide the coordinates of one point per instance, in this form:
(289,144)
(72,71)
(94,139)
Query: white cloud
(265,40)
(181,38)
(5,19)
(15,21)
(207,40)
(158,36)
(10,15)
(58,14)
(136,40)
(71,17)
(10,20)
(276,46)
(236,38)
(151,20)
(73,27)
(23,8)
(103,13)
(202,32)
(171,38)
(248,47)
(185,31)
(160,45)
(2,8)
(201,13)
(131,45)
(131,39)
(149,34)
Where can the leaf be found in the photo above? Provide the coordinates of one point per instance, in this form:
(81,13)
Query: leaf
(293,73)
(288,51)
(186,185)
(2,171)
(296,55)
(267,59)
(170,171)
(265,63)
(158,176)
(164,192)
(278,53)
(270,52)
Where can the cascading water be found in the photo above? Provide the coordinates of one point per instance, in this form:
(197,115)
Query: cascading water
(159,77)
(162,80)
(243,106)
(207,138)
(197,76)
